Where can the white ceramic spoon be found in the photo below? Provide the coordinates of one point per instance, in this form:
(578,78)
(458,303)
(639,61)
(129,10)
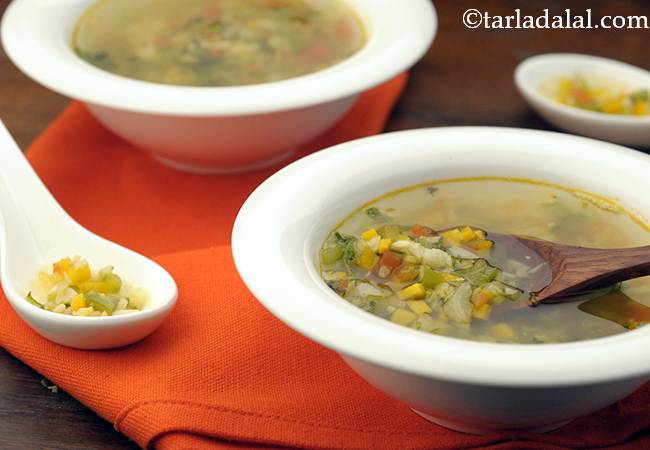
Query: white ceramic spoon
(534,72)
(38,232)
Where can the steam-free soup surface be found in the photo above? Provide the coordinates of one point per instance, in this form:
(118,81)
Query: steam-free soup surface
(405,258)
(217,42)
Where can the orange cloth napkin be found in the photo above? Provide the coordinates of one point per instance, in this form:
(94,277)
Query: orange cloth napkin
(222,372)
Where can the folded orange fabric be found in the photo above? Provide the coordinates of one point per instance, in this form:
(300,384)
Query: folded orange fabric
(222,372)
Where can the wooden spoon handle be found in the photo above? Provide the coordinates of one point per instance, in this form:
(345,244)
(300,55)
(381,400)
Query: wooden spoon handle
(578,269)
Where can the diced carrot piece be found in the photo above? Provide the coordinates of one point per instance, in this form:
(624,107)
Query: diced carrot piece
(421,230)
(388,262)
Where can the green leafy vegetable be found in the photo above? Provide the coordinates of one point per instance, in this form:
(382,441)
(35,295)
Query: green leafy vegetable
(329,255)
(378,216)
(99,59)
(480,273)
(431,278)
(104,303)
(33,301)
(642,96)
(432,189)
(349,248)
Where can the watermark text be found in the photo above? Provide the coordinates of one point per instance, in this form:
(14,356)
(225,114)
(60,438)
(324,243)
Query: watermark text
(474,18)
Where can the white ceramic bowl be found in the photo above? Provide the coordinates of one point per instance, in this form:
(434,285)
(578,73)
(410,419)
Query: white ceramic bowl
(533,72)
(216,129)
(465,385)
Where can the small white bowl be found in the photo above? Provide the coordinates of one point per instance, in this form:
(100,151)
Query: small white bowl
(465,385)
(532,73)
(216,129)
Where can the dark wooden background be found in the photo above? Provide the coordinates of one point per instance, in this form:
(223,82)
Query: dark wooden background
(465,79)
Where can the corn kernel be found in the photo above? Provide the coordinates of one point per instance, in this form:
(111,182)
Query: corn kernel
(641,108)
(367,258)
(482,312)
(403,317)
(384,244)
(452,237)
(78,302)
(419,306)
(369,234)
(61,266)
(483,245)
(97,286)
(78,274)
(467,234)
(613,105)
(414,291)
(482,298)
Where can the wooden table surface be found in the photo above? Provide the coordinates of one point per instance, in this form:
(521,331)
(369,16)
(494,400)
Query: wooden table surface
(465,79)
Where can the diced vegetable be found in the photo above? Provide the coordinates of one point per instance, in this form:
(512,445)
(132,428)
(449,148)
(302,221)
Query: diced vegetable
(578,92)
(436,259)
(403,317)
(103,303)
(452,237)
(406,273)
(415,291)
(482,298)
(421,230)
(419,307)
(329,255)
(367,258)
(349,248)
(72,288)
(369,234)
(431,278)
(388,262)
(377,215)
(78,302)
(481,312)
(480,273)
(78,273)
(384,245)
(33,301)
(458,307)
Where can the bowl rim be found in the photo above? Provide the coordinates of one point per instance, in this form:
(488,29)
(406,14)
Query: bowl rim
(530,92)
(430,356)
(40,49)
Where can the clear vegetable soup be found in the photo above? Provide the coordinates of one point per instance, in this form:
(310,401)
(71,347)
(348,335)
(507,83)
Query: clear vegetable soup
(432,258)
(217,42)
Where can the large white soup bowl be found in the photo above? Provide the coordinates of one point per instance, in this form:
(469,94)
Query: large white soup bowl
(465,385)
(216,129)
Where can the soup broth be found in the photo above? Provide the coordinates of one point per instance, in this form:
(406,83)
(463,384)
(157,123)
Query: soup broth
(406,257)
(217,42)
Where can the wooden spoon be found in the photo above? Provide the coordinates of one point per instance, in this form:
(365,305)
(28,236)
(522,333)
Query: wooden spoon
(579,269)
